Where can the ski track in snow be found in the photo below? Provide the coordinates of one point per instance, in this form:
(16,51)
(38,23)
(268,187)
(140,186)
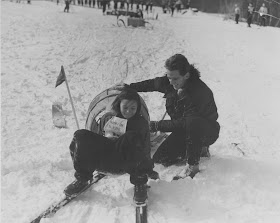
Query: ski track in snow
(239,64)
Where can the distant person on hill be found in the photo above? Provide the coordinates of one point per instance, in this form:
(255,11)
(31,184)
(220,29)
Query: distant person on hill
(104,3)
(164,8)
(67,5)
(188,5)
(142,4)
(172,6)
(122,4)
(147,6)
(263,13)
(116,5)
(139,13)
(151,6)
(108,4)
(178,5)
(250,12)
(237,13)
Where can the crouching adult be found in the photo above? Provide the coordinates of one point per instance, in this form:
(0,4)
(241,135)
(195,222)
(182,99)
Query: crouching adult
(190,104)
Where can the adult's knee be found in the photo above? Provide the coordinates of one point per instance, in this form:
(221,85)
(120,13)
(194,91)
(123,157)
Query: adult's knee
(201,130)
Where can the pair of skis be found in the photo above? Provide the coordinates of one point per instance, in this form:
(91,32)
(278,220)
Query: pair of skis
(141,209)
(53,208)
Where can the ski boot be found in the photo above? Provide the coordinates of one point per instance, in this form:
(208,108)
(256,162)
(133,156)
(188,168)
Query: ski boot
(153,175)
(140,188)
(76,187)
(140,193)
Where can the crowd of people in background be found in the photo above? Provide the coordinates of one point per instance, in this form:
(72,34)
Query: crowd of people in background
(168,6)
(171,5)
(140,5)
(143,5)
(263,13)
(28,1)
(116,4)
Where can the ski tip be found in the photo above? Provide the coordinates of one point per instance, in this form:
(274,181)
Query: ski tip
(37,220)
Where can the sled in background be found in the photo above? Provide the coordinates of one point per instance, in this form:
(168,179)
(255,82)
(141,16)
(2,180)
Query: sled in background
(193,10)
(134,18)
(134,22)
(122,12)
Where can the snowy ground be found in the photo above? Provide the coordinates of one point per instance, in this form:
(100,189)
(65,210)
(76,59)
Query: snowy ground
(241,65)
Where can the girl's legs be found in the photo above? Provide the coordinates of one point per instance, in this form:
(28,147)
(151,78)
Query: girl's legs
(134,159)
(88,151)
(135,163)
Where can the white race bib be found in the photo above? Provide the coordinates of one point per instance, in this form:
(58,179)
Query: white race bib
(115,127)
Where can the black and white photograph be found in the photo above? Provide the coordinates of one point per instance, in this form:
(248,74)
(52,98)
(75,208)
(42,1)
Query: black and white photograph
(140,111)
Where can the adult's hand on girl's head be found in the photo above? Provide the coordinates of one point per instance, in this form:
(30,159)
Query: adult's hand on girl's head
(120,86)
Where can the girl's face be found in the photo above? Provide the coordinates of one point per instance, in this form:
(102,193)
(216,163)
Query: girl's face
(128,108)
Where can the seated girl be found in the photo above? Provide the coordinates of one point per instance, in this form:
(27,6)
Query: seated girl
(124,148)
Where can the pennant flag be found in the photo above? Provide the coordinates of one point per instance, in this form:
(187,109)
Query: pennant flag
(61,77)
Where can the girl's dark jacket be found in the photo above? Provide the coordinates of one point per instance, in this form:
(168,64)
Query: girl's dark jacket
(139,134)
(195,100)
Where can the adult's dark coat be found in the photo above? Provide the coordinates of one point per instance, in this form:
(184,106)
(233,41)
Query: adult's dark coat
(195,100)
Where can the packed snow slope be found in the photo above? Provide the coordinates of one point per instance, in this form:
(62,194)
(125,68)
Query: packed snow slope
(241,181)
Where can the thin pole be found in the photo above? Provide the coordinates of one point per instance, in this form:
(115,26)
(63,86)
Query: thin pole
(71,102)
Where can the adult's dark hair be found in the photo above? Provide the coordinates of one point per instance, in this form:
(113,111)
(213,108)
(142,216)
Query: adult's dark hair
(128,94)
(179,62)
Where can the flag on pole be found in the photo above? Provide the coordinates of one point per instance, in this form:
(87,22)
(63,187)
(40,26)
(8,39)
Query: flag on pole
(61,77)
